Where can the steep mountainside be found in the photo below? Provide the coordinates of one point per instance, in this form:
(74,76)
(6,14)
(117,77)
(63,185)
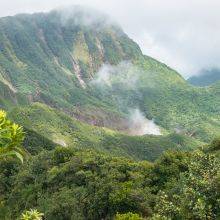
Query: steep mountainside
(205,78)
(89,68)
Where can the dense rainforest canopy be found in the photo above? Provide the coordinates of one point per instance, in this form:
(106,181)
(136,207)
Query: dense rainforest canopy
(70,183)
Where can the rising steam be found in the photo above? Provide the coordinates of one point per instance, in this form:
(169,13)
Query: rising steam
(140,125)
(126,77)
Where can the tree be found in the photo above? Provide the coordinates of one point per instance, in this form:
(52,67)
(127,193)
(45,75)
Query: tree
(196,194)
(11,138)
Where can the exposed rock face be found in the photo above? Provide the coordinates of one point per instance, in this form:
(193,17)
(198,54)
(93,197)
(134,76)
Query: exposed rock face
(10,86)
(77,71)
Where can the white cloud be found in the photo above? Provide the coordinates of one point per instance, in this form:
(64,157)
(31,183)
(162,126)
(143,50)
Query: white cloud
(185,34)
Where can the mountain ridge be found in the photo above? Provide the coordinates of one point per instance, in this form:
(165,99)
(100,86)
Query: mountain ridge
(205,77)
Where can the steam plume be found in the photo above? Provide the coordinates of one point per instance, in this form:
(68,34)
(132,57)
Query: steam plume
(140,125)
(126,77)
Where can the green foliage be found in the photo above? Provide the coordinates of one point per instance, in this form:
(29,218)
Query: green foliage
(34,143)
(33,214)
(167,169)
(11,138)
(196,194)
(56,127)
(215,145)
(8,169)
(128,216)
(67,183)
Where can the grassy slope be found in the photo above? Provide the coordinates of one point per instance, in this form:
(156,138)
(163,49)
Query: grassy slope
(60,128)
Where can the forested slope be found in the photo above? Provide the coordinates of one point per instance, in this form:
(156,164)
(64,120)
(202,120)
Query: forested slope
(65,131)
(67,183)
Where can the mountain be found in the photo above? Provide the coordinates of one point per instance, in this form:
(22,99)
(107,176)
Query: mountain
(205,77)
(83,64)
(109,133)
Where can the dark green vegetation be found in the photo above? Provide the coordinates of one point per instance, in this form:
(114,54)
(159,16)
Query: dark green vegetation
(205,78)
(51,58)
(72,183)
(66,183)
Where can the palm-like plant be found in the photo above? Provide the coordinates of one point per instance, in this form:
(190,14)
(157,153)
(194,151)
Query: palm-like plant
(11,138)
(33,214)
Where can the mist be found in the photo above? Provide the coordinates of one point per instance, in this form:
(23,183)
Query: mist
(125,76)
(183,34)
(125,73)
(83,16)
(140,125)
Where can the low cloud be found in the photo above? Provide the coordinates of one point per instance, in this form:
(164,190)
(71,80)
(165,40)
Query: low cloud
(84,16)
(125,73)
(183,34)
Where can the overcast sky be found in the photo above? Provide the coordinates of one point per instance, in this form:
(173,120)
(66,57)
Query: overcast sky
(185,34)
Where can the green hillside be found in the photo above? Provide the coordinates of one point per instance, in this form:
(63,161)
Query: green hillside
(71,183)
(68,132)
(46,58)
